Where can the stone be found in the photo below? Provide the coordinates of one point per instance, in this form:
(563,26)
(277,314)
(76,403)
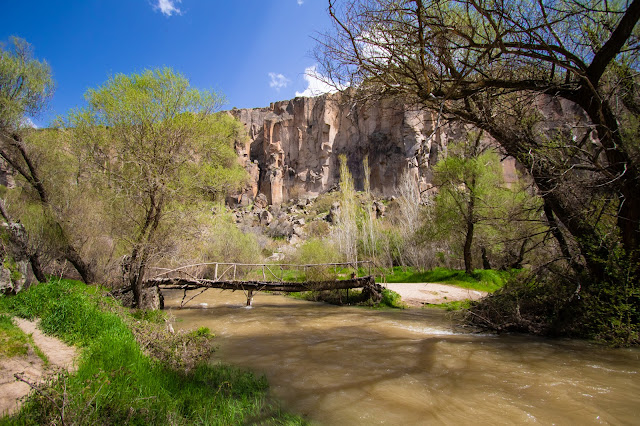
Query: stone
(266,218)
(332,217)
(275,257)
(261,201)
(293,146)
(6,286)
(151,298)
(295,240)
(379,209)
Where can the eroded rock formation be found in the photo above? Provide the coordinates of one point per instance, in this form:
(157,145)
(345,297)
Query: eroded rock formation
(294,145)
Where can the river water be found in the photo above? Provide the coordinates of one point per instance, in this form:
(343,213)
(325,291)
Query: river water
(356,366)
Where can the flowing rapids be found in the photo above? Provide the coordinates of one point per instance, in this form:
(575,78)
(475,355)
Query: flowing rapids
(348,365)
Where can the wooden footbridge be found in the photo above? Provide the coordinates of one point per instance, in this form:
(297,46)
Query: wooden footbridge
(250,277)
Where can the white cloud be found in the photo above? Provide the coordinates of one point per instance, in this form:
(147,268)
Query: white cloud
(27,122)
(278,81)
(168,7)
(315,83)
(300,2)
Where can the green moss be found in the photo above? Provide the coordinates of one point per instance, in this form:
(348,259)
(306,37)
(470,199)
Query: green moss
(451,306)
(12,266)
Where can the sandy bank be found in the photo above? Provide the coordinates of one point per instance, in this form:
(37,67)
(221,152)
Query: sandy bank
(417,294)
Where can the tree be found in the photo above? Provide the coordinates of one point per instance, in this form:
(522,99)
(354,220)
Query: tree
(468,181)
(25,87)
(346,230)
(505,67)
(152,143)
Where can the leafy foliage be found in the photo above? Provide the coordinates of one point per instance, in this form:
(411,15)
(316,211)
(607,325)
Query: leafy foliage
(25,84)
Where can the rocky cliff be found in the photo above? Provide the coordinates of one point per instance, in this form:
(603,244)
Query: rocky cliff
(294,145)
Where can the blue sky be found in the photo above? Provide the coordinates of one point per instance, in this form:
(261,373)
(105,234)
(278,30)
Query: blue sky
(252,51)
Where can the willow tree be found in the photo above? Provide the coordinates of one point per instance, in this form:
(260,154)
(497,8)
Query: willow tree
(469,181)
(553,81)
(25,88)
(346,230)
(152,142)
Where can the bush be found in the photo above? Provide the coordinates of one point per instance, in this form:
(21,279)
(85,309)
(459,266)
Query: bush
(550,305)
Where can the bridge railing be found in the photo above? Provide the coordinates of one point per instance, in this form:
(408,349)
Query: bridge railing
(267,272)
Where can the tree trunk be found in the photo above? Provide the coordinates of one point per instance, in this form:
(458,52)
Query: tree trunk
(20,241)
(468,240)
(22,163)
(485,260)
(140,253)
(85,271)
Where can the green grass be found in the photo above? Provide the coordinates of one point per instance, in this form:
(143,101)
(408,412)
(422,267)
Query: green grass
(13,341)
(482,279)
(451,306)
(391,299)
(116,383)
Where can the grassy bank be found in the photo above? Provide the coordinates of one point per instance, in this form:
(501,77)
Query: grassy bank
(13,342)
(117,383)
(482,279)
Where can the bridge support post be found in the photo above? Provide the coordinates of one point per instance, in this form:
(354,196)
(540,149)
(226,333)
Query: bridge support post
(249,297)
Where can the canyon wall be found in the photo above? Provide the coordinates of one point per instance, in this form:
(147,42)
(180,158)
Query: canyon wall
(294,145)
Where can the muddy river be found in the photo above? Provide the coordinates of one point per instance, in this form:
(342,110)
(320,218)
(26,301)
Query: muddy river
(356,366)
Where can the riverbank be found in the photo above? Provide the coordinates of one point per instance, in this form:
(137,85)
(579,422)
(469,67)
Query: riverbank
(131,368)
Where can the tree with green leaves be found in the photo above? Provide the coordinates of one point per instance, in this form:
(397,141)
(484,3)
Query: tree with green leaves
(468,181)
(25,87)
(152,143)
(346,230)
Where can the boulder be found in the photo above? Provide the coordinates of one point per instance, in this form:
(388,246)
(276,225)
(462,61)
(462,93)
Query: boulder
(261,201)
(6,286)
(265,218)
(152,298)
(379,209)
(298,230)
(332,217)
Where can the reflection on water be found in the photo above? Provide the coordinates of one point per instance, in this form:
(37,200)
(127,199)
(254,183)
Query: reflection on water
(346,365)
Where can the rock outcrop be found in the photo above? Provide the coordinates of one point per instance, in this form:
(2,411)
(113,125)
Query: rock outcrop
(294,145)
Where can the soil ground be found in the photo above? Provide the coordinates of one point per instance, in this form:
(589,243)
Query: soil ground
(31,367)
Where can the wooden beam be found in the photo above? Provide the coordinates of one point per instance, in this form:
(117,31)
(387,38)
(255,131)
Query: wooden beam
(190,284)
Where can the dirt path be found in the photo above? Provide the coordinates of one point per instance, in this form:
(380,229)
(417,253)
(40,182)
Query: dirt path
(418,294)
(31,366)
